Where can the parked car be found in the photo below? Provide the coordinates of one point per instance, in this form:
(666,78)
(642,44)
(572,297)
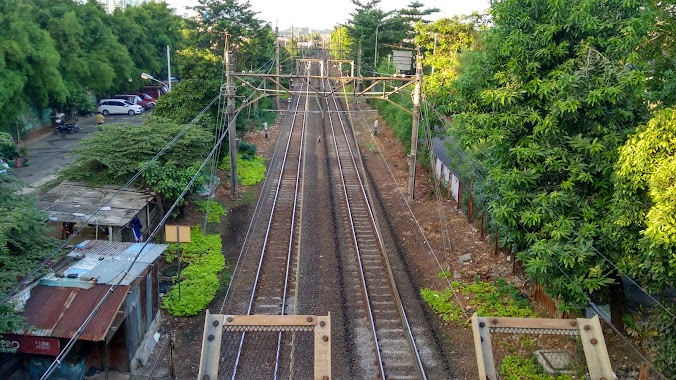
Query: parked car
(4,168)
(145,97)
(136,99)
(154,91)
(112,106)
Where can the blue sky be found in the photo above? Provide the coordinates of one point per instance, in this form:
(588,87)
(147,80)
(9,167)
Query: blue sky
(324,14)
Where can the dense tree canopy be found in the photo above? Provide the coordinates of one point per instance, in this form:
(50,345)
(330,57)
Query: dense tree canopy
(548,101)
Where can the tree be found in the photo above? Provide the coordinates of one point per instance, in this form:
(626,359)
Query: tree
(23,244)
(442,43)
(115,154)
(251,38)
(366,18)
(660,54)
(415,13)
(146,31)
(341,42)
(645,201)
(29,64)
(545,105)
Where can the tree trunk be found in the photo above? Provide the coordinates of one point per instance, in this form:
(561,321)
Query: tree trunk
(618,302)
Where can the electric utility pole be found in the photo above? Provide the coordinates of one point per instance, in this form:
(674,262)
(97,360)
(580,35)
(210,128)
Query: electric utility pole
(230,109)
(357,83)
(277,64)
(415,125)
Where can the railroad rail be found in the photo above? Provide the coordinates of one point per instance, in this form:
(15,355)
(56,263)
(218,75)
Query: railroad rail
(395,347)
(272,284)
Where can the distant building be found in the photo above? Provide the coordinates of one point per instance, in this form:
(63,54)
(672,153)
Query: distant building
(122,333)
(110,5)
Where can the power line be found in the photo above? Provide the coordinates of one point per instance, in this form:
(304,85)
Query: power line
(57,361)
(25,279)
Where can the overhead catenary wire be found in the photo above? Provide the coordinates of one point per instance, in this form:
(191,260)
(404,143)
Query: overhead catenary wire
(71,343)
(415,219)
(49,257)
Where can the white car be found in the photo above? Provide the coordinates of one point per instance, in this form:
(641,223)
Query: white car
(4,168)
(112,106)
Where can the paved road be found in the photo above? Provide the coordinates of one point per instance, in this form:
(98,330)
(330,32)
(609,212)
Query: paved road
(51,153)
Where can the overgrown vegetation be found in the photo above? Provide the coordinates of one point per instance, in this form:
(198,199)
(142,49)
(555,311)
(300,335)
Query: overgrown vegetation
(212,209)
(519,368)
(200,280)
(249,172)
(23,243)
(497,299)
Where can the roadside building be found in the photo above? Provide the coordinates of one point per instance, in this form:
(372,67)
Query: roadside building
(122,333)
(105,211)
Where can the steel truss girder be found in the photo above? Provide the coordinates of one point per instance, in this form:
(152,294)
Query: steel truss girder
(215,324)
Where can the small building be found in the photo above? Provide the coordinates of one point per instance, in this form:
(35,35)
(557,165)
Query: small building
(121,334)
(105,211)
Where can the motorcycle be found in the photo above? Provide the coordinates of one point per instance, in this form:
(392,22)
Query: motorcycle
(60,125)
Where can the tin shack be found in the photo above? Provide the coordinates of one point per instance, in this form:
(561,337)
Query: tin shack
(122,333)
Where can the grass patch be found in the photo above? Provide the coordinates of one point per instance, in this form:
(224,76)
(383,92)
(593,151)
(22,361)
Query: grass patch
(496,299)
(249,172)
(200,280)
(213,209)
(518,368)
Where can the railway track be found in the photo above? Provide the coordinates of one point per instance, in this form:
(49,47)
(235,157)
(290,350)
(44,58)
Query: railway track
(272,283)
(394,345)
(264,281)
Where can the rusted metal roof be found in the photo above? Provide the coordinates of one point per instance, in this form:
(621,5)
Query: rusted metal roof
(60,311)
(76,202)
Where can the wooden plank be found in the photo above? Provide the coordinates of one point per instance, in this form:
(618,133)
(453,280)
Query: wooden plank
(483,349)
(211,346)
(595,350)
(323,348)
(533,323)
(270,320)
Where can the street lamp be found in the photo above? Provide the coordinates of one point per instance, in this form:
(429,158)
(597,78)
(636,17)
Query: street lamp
(148,76)
(375,50)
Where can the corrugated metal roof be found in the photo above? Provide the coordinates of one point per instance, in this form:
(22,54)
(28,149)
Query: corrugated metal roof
(59,312)
(75,202)
(104,262)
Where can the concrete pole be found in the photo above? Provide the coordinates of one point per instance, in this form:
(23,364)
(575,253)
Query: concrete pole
(168,70)
(277,64)
(230,109)
(415,125)
(357,81)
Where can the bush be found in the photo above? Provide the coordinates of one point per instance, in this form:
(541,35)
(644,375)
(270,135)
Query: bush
(200,279)
(249,172)
(496,299)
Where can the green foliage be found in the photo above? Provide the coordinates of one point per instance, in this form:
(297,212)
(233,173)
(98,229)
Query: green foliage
(252,39)
(7,146)
(393,30)
(199,281)
(663,342)
(645,202)
(543,107)
(249,172)
(341,42)
(213,209)
(496,299)
(520,368)
(443,41)
(23,243)
(397,119)
(116,153)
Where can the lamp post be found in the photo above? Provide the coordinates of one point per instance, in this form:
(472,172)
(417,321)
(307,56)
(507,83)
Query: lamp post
(375,50)
(148,76)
